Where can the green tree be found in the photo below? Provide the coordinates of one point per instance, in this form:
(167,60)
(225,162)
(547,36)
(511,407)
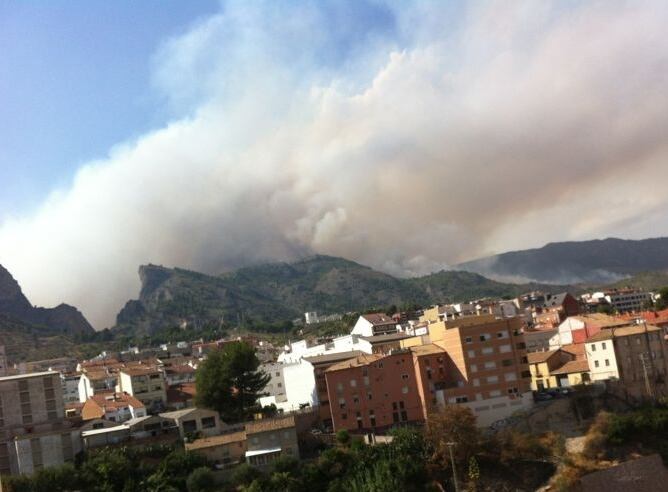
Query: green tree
(662,301)
(200,480)
(343,437)
(230,381)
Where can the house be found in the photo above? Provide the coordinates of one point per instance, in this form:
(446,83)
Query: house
(576,329)
(374,324)
(295,351)
(558,368)
(181,396)
(601,357)
(105,436)
(179,374)
(538,340)
(115,407)
(225,449)
(641,357)
(191,421)
(96,380)
(292,386)
(384,344)
(145,383)
(269,439)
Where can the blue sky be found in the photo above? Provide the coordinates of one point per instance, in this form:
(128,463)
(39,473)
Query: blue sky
(75,79)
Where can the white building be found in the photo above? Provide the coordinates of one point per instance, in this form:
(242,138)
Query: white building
(624,300)
(311,317)
(292,386)
(602,360)
(296,350)
(372,324)
(70,384)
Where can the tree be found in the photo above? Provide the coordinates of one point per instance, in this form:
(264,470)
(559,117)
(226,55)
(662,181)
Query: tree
(662,301)
(229,381)
(200,480)
(453,424)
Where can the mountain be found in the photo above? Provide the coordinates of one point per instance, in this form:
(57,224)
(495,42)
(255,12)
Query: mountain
(281,291)
(62,319)
(593,262)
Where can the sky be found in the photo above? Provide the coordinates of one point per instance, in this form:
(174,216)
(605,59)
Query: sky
(408,136)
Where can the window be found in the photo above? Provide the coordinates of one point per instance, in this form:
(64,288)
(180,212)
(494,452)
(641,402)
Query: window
(595,363)
(395,417)
(373,421)
(339,386)
(494,393)
(208,422)
(461,399)
(476,382)
(369,396)
(474,368)
(468,340)
(356,400)
(521,345)
(593,347)
(603,345)
(342,403)
(471,353)
(502,334)
(504,349)
(404,376)
(189,426)
(510,376)
(353,383)
(404,415)
(490,365)
(344,416)
(278,373)
(404,390)
(607,362)
(492,379)
(488,350)
(485,336)
(507,362)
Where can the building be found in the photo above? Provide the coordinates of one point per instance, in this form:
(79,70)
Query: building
(541,340)
(179,374)
(181,396)
(270,439)
(226,449)
(601,358)
(194,421)
(96,381)
(3,361)
(70,384)
(311,317)
(33,431)
(374,324)
(641,356)
(384,344)
(621,300)
(577,329)
(295,351)
(115,407)
(292,386)
(147,384)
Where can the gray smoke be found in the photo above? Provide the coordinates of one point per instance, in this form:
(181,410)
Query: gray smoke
(424,145)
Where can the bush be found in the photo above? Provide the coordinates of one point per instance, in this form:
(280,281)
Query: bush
(245,474)
(200,480)
(343,437)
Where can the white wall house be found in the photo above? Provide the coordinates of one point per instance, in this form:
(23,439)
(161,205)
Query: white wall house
(294,352)
(291,387)
(602,360)
(372,324)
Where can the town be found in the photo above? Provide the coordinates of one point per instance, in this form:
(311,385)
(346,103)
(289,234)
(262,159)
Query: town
(506,361)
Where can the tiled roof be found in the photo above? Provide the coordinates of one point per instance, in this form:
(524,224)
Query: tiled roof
(600,319)
(571,367)
(379,319)
(577,349)
(428,349)
(210,442)
(335,357)
(140,371)
(116,400)
(623,331)
(265,425)
(539,357)
(360,360)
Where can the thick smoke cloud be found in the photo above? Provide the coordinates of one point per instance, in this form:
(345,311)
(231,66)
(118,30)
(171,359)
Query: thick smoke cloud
(410,142)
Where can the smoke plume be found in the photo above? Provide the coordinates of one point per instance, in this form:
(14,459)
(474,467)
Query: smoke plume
(406,137)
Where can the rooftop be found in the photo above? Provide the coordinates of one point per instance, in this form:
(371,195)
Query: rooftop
(112,401)
(428,349)
(18,377)
(140,371)
(359,361)
(210,442)
(334,357)
(265,425)
(390,337)
(379,319)
(623,331)
(571,367)
(539,357)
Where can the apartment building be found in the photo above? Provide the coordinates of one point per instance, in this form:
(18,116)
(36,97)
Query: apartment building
(147,384)
(488,360)
(292,386)
(33,432)
(305,348)
(641,357)
(70,384)
(577,329)
(98,380)
(601,358)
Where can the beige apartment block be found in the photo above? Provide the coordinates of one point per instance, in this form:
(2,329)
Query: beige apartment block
(147,384)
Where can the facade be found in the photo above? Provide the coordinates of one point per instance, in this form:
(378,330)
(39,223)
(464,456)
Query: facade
(541,340)
(147,384)
(270,439)
(191,421)
(115,407)
(302,349)
(625,300)
(96,381)
(33,431)
(374,324)
(641,355)
(577,329)
(601,358)
(226,449)
(292,386)
(70,384)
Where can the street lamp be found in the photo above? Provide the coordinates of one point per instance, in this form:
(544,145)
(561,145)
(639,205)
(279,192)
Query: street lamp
(451,445)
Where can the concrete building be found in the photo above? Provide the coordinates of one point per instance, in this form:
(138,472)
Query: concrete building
(192,421)
(292,386)
(621,300)
(577,329)
(295,351)
(70,384)
(269,439)
(601,358)
(226,449)
(641,355)
(96,381)
(147,384)
(33,431)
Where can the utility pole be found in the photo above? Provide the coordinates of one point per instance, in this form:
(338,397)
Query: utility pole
(648,385)
(452,462)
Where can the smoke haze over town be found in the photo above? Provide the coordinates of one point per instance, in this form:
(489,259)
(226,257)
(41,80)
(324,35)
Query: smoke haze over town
(406,136)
